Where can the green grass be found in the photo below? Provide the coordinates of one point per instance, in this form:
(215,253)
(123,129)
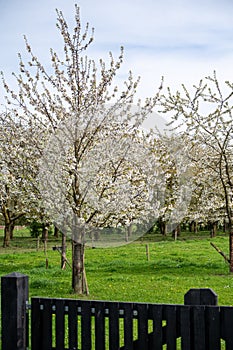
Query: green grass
(124,273)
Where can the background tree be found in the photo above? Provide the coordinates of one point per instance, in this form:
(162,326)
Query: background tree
(14,196)
(206,114)
(178,181)
(207,206)
(20,156)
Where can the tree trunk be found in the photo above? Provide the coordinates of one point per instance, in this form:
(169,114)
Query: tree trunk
(56,231)
(9,226)
(45,235)
(79,281)
(128,232)
(12,226)
(225,225)
(163,227)
(8,231)
(176,232)
(213,230)
(193,226)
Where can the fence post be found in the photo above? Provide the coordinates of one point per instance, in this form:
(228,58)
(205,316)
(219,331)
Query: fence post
(14,297)
(202,296)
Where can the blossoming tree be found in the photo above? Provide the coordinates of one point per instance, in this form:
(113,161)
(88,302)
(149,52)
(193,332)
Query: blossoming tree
(206,116)
(98,166)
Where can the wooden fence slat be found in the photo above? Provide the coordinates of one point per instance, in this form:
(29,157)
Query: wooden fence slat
(113,325)
(36,337)
(185,327)
(198,327)
(213,328)
(60,324)
(86,325)
(156,337)
(227,326)
(99,325)
(142,310)
(72,324)
(128,325)
(47,324)
(171,323)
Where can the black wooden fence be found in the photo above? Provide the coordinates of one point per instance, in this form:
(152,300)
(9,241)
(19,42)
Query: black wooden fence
(68,324)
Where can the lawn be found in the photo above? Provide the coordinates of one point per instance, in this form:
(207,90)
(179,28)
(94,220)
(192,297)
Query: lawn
(125,273)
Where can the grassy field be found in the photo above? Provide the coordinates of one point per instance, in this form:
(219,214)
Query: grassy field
(125,273)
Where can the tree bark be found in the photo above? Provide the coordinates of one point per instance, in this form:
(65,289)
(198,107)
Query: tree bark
(45,233)
(225,225)
(8,229)
(79,281)
(45,236)
(8,232)
(163,227)
(9,222)
(213,229)
(193,226)
(128,232)
(176,232)
(56,231)
(12,226)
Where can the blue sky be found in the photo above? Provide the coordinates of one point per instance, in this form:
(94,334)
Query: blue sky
(180,39)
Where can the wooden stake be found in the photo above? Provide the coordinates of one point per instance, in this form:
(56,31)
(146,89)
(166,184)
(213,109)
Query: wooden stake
(147,252)
(220,252)
(38,243)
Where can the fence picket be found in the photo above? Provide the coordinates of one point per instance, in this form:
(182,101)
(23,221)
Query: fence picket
(198,327)
(213,328)
(171,323)
(86,325)
(99,325)
(156,337)
(46,321)
(142,326)
(128,325)
(60,324)
(113,325)
(36,325)
(227,325)
(185,327)
(72,324)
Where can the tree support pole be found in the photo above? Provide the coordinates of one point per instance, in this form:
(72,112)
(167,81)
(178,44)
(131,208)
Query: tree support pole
(221,253)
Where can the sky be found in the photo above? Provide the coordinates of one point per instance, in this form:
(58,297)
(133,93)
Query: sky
(182,40)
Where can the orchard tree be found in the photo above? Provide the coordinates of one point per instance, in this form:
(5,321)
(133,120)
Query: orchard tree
(12,182)
(207,206)
(178,183)
(206,114)
(86,118)
(19,157)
